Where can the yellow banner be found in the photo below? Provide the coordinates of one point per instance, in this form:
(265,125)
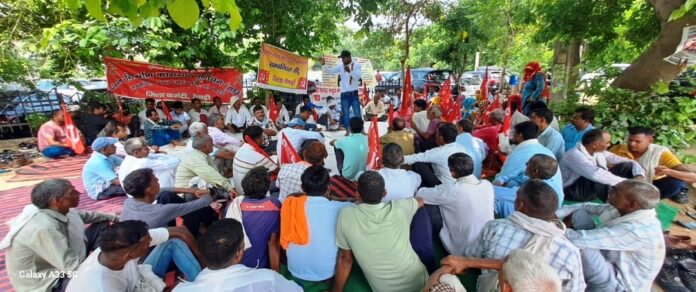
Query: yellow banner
(281,70)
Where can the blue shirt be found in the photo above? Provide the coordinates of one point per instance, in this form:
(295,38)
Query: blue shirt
(533,89)
(572,136)
(354,149)
(513,171)
(97,174)
(261,218)
(316,261)
(474,147)
(553,140)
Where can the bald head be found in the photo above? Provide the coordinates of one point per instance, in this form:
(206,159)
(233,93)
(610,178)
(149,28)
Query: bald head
(398,124)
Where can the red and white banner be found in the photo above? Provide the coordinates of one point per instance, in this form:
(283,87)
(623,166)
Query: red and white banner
(143,80)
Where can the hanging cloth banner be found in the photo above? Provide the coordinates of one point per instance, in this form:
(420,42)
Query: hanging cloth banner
(141,80)
(282,70)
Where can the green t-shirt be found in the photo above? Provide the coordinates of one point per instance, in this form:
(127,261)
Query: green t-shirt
(378,236)
(354,149)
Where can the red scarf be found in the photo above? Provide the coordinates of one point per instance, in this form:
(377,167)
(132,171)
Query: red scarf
(530,70)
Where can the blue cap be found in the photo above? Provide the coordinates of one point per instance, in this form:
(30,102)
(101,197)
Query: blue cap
(296,122)
(101,143)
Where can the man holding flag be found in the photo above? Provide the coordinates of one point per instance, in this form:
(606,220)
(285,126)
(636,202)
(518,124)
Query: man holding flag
(350,73)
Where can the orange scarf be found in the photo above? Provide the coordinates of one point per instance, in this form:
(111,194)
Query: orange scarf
(293,222)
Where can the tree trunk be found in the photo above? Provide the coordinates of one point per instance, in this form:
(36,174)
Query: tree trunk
(650,67)
(572,65)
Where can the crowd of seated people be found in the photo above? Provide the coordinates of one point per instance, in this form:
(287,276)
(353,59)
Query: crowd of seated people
(228,214)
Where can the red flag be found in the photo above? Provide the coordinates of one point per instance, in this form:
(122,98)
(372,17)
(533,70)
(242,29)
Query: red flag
(120,105)
(72,133)
(446,101)
(456,112)
(374,149)
(288,154)
(165,110)
(258,150)
(406,98)
(508,119)
(484,86)
(491,107)
(365,96)
(272,110)
(390,116)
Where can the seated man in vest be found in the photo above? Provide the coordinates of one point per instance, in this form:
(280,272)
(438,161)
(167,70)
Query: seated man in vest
(586,172)
(376,108)
(627,252)
(662,168)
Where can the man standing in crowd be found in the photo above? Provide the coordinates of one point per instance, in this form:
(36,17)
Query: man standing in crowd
(349,73)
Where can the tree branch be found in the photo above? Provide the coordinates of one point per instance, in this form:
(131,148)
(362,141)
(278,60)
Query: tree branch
(664,8)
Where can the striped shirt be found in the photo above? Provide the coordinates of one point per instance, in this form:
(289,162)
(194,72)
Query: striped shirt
(499,237)
(636,249)
(244,160)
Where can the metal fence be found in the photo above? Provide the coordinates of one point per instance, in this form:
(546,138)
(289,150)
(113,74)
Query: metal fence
(18,108)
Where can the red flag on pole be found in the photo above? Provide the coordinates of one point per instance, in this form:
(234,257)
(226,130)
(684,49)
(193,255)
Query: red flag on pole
(446,103)
(272,110)
(484,86)
(72,133)
(374,149)
(406,109)
(165,110)
(390,116)
(365,95)
(493,106)
(288,154)
(456,112)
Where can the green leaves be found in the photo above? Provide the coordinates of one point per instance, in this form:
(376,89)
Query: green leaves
(688,7)
(185,13)
(94,9)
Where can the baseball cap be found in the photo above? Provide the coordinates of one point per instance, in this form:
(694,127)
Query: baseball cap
(101,143)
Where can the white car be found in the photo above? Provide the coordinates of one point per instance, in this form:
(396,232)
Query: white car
(470,83)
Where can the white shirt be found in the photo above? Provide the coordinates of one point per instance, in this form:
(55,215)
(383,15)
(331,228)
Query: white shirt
(438,158)
(283,115)
(93,276)
(215,110)
(162,165)
(238,118)
(346,84)
(244,160)
(238,278)
(421,120)
(196,116)
(220,139)
(296,138)
(466,206)
(142,116)
(399,183)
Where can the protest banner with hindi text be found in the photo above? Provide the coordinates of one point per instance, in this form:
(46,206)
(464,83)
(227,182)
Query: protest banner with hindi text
(282,70)
(686,51)
(141,80)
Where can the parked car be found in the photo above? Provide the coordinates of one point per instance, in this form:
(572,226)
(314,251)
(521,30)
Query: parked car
(470,83)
